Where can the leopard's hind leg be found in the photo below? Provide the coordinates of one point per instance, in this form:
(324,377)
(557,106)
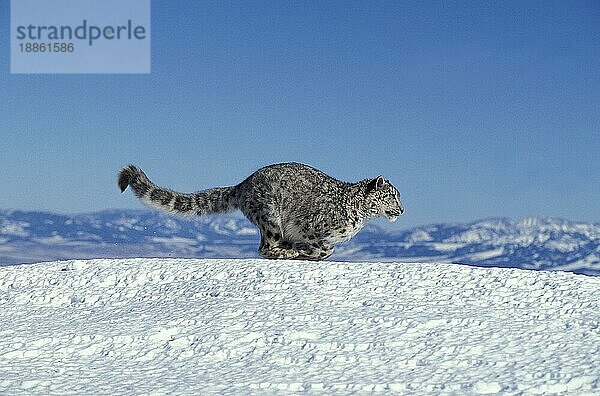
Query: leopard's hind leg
(316,250)
(275,249)
(272,244)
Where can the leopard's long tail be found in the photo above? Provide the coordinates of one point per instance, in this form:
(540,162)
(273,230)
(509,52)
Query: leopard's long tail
(211,201)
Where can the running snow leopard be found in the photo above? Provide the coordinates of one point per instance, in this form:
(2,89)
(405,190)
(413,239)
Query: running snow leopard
(300,211)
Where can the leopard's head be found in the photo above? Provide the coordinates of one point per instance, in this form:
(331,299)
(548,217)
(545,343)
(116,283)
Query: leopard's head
(383,199)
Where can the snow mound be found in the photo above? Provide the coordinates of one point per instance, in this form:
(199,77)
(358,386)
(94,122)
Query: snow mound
(132,326)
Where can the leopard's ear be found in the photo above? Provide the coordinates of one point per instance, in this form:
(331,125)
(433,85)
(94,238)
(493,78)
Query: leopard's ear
(375,184)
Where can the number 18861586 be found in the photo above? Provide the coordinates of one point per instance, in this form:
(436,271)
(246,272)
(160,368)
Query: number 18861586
(47,47)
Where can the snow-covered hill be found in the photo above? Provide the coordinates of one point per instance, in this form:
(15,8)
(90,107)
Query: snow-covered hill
(536,243)
(166,326)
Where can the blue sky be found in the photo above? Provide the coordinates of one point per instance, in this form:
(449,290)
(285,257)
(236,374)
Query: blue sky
(472,109)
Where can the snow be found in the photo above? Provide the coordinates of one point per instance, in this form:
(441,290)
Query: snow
(141,326)
(15,228)
(447,247)
(50,240)
(420,236)
(488,254)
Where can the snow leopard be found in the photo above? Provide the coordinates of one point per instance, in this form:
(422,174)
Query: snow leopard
(300,211)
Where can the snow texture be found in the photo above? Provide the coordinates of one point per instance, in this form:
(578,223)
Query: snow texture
(189,326)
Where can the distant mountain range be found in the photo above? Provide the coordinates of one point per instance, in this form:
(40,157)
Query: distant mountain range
(531,243)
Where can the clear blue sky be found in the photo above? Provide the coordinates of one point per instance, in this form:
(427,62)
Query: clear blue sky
(472,109)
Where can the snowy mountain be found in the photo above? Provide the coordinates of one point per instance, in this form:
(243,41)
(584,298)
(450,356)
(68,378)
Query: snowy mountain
(250,327)
(530,243)
(533,243)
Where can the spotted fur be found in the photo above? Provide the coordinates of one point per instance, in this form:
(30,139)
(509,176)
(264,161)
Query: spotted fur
(300,211)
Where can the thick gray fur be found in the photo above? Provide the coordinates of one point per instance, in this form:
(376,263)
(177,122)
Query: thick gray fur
(300,211)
